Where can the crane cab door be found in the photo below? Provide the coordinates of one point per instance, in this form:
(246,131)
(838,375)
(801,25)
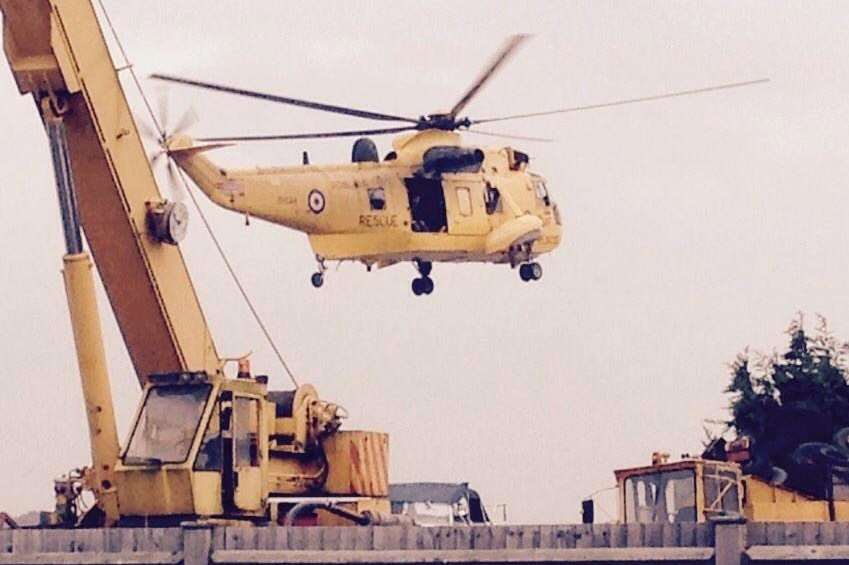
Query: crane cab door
(427,205)
(243,472)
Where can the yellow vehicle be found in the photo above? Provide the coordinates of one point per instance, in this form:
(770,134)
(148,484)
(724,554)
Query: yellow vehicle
(203,445)
(697,489)
(432,198)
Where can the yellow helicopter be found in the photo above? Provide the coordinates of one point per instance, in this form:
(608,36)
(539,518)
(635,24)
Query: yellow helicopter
(431,199)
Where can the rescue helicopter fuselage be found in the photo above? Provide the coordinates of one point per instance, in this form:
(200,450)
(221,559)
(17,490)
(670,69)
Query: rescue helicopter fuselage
(431,199)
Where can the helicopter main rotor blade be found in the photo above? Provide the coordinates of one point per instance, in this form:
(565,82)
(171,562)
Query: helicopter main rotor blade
(506,51)
(510,136)
(318,135)
(623,102)
(285,100)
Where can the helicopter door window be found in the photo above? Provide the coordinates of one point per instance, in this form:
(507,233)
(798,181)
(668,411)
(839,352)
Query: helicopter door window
(464,201)
(492,199)
(377,198)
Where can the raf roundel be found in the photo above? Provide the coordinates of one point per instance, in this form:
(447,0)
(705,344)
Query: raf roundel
(316,201)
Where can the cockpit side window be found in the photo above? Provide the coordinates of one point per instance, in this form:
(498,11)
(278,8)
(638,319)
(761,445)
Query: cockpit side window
(377,198)
(492,199)
(518,160)
(542,192)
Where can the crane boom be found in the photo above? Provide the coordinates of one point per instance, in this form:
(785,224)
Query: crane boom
(57,51)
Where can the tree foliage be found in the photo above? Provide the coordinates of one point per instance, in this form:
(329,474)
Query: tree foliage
(784,400)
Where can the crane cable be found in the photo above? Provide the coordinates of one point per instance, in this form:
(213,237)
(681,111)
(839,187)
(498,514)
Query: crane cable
(185,183)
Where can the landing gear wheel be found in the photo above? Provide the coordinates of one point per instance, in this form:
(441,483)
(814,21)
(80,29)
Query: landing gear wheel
(422,285)
(424,267)
(317,279)
(417,287)
(428,284)
(535,270)
(530,272)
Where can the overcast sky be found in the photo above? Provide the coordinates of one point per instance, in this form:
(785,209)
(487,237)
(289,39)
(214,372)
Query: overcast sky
(694,227)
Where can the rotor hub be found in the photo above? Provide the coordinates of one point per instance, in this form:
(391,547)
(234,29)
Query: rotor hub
(445,122)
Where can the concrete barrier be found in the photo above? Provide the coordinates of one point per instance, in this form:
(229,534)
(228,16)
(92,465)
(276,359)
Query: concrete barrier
(721,543)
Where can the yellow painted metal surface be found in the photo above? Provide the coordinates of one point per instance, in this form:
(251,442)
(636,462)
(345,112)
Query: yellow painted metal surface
(156,491)
(56,49)
(206,493)
(770,503)
(94,377)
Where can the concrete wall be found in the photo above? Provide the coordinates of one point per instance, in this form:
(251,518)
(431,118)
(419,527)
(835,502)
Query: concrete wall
(720,543)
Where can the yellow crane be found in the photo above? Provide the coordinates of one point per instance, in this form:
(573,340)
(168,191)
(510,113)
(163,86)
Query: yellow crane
(696,489)
(202,445)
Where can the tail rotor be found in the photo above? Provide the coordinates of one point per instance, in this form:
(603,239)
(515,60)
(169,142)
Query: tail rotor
(159,135)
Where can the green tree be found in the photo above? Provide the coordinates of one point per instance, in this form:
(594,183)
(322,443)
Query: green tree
(789,399)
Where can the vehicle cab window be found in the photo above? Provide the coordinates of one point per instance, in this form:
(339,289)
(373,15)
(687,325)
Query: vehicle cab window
(167,424)
(209,456)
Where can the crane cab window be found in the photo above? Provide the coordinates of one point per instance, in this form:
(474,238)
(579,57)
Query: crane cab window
(167,424)
(721,494)
(661,498)
(492,199)
(464,201)
(377,198)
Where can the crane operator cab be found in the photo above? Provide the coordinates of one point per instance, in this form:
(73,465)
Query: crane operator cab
(691,490)
(214,447)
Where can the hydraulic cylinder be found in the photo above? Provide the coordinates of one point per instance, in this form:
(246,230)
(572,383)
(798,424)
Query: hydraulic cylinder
(97,393)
